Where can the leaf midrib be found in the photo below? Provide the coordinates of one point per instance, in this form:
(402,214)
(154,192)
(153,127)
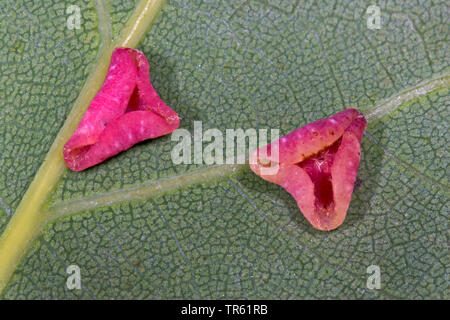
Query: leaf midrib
(104,22)
(142,191)
(26,222)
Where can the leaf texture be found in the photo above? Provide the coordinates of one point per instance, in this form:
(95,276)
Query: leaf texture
(140,227)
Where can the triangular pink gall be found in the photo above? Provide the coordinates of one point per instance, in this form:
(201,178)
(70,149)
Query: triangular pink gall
(125,111)
(317,165)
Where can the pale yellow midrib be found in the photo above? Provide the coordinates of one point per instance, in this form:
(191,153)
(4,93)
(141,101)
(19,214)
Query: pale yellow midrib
(104,22)
(142,191)
(404,96)
(26,222)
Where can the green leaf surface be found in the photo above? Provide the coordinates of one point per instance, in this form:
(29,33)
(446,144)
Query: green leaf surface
(139,226)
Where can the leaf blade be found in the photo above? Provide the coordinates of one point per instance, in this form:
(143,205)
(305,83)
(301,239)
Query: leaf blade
(244,65)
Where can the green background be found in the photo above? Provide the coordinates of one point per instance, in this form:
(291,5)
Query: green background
(236,64)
